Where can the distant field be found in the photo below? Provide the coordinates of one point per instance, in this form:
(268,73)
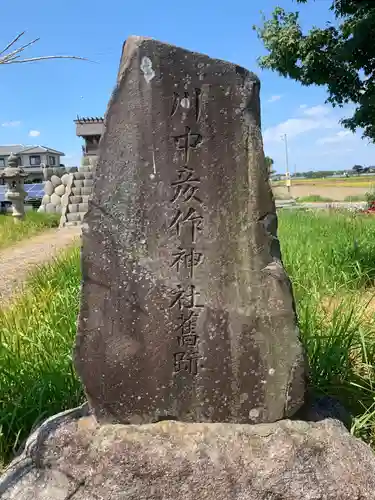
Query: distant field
(333,181)
(337,189)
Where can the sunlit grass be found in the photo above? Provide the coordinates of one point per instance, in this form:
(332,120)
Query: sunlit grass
(313,198)
(13,231)
(331,260)
(355,197)
(36,336)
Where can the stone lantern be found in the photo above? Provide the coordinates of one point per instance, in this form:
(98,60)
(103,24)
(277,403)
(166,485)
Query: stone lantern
(13,176)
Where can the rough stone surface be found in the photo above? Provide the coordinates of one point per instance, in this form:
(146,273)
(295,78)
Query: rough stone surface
(71,457)
(48,188)
(56,180)
(83,207)
(50,208)
(86,190)
(74,200)
(60,190)
(73,217)
(73,208)
(65,200)
(186,309)
(65,179)
(55,199)
(46,199)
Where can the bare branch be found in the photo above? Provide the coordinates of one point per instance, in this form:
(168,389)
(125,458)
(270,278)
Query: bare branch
(13,57)
(23,47)
(43,58)
(12,42)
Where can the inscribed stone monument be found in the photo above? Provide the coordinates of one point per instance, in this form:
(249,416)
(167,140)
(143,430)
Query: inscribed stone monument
(186,310)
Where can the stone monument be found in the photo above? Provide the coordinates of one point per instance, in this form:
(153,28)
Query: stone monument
(14,176)
(186,310)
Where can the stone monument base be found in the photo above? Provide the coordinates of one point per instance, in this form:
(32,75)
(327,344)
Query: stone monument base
(71,457)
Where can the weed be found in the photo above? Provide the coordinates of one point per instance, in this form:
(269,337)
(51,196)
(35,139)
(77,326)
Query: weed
(12,231)
(327,255)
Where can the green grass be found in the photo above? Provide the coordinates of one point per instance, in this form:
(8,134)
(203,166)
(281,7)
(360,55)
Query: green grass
(34,222)
(314,198)
(355,197)
(327,256)
(36,377)
(328,252)
(331,256)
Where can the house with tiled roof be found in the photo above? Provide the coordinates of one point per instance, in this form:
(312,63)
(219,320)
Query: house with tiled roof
(31,159)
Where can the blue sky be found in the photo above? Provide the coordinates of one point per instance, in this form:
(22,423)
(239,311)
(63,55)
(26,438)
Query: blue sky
(39,101)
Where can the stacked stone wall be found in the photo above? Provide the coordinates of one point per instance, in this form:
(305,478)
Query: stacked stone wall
(55,188)
(67,193)
(79,191)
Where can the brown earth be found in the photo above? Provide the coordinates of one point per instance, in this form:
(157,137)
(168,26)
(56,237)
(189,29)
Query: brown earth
(17,261)
(363,302)
(332,192)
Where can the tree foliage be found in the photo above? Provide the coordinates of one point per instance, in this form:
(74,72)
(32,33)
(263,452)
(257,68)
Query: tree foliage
(269,161)
(11,55)
(358,169)
(269,164)
(341,57)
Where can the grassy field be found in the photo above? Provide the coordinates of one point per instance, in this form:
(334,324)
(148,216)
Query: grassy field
(34,222)
(314,198)
(335,189)
(331,260)
(355,181)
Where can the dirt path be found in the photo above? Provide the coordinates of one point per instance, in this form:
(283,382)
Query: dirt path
(17,261)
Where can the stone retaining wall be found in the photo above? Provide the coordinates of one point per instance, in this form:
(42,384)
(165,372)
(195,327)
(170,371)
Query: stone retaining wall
(67,192)
(75,202)
(55,188)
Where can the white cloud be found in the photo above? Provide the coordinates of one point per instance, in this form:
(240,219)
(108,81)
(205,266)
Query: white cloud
(317,141)
(317,117)
(274,98)
(340,136)
(294,127)
(316,111)
(303,106)
(335,152)
(15,123)
(34,133)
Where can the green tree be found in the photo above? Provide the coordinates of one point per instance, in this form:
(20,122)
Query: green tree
(340,57)
(11,55)
(358,169)
(269,163)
